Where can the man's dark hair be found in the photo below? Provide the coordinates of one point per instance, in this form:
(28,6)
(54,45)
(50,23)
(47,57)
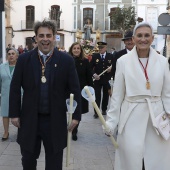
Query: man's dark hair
(45,23)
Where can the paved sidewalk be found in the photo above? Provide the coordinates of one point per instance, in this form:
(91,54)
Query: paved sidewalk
(92,151)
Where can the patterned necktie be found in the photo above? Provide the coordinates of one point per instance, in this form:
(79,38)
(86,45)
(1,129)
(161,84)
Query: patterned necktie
(44,57)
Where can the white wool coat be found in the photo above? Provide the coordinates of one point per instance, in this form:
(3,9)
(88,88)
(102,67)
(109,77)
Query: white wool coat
(134,108)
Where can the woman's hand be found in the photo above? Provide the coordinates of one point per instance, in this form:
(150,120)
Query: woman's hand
(107,131)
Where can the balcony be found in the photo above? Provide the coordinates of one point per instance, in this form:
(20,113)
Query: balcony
(29,25)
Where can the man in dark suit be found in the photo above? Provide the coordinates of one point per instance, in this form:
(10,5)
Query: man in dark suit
(128,47)
(100,62)
(47,77)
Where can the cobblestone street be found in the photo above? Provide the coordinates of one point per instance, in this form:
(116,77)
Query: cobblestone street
(92,151)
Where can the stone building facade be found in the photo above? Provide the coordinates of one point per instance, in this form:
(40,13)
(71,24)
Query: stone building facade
(21,14)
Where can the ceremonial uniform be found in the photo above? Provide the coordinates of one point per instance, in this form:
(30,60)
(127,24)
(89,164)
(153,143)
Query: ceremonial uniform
(99,63)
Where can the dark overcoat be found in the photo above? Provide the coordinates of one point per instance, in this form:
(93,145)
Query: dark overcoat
(115,58)
(63,81)
(84,72)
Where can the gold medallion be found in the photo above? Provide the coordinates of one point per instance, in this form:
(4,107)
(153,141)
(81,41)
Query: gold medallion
(43,79)
(147,85)
(97,60)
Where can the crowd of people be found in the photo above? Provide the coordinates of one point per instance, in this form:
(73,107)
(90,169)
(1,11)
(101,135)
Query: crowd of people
(35,86)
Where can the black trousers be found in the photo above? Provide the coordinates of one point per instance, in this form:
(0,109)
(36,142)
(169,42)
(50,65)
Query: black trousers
(53,161)
(97,88)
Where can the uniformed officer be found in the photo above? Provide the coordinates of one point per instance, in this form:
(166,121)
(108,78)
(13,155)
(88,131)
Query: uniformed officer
(100,62)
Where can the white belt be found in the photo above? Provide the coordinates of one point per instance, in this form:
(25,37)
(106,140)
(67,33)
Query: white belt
(135,103)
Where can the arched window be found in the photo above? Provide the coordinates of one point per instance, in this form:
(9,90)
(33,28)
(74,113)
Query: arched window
(30,15)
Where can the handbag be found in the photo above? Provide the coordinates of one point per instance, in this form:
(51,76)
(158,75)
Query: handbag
(163,125)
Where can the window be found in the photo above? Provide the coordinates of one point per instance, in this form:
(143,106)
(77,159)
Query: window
(87,1)
(55,14)
(87,14)
(111,22)
(115,0)
(152,17)
(30,15)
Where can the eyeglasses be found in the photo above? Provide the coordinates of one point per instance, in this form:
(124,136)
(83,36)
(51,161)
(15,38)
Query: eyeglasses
(11,53)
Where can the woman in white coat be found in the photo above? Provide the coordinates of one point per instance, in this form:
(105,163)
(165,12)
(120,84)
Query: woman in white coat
(141,93)
(6,72)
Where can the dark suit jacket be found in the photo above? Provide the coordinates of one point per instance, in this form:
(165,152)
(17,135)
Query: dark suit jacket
(116,56)
(98,67)
(85,78)
(63,81)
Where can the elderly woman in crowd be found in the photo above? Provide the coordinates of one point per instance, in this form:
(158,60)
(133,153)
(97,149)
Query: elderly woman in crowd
(84,74)
(6,72)
(141,93)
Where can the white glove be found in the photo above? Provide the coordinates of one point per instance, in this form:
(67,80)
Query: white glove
(108,131)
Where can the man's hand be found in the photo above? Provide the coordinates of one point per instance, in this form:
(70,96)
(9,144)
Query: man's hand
(96,77)
(16,122)
(73,124)
(109,70)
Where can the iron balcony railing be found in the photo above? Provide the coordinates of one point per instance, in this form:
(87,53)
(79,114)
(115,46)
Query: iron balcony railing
(28,25)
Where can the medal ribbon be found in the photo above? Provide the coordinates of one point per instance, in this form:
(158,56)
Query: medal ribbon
(45,61)
(44,65)
(144,69)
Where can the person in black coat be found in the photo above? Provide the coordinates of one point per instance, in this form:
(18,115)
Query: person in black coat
(129,44)
(100,62)
(84,74)
(47,77)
